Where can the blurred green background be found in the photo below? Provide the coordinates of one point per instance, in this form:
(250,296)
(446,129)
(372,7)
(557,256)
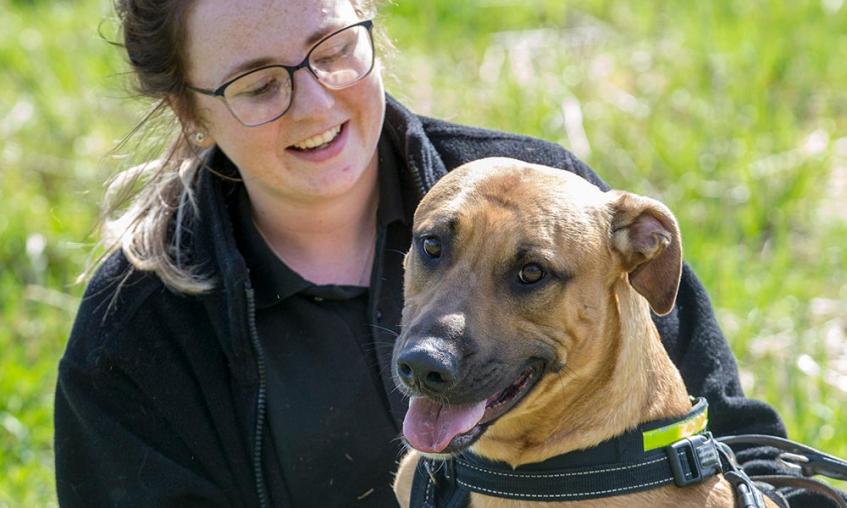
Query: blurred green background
(733,112)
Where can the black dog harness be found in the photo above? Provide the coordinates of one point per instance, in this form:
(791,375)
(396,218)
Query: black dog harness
(679,452)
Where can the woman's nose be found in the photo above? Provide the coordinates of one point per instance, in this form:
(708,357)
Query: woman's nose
(309,96)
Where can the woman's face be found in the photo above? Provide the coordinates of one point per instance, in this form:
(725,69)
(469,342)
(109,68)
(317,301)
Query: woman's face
(224,37)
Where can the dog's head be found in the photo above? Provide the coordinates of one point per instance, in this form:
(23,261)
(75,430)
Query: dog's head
(514,275)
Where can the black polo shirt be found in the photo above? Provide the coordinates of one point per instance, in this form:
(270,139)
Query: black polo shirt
(336,440)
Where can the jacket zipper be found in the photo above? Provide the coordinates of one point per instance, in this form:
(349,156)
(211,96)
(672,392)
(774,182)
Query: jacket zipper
(261,397)
(417,177)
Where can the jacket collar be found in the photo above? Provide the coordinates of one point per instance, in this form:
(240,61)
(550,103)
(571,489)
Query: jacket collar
(406,131)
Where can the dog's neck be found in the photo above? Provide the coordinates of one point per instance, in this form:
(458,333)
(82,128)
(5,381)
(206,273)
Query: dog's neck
(620,380)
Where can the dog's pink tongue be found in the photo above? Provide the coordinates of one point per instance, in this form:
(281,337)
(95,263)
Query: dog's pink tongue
(430,426)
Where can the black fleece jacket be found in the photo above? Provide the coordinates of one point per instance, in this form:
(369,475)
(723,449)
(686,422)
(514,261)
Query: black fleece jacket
(161,397)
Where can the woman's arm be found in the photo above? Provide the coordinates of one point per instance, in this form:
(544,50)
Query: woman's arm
(133,422)
(113,448)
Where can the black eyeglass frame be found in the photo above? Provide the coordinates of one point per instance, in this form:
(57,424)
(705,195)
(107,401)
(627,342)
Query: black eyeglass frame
(219,91)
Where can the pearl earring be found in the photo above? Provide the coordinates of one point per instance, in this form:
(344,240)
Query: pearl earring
(199,137)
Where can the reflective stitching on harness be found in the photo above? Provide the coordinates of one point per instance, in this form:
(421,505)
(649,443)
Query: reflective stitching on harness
(429,482)
(621,489)
(559,475)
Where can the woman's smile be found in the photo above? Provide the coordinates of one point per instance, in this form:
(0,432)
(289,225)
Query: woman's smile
(321,147)
(318,140)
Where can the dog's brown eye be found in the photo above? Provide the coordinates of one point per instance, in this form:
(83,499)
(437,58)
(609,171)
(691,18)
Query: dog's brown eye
(531,273)
(432,246)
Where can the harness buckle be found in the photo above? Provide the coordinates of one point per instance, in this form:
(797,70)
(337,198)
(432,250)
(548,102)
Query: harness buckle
(692,459)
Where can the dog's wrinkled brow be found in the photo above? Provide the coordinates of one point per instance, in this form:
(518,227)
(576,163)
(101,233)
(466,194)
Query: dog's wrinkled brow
(503,201)
(445,224)
(528,251)
(452,224)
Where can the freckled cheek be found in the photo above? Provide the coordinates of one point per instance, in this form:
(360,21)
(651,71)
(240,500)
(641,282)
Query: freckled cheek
(215,116)
(367,100)
(247,147)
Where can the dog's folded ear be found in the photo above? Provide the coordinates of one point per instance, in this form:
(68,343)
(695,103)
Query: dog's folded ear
(646,235)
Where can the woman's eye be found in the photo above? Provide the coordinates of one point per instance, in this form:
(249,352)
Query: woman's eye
(530,273)
(330,57)
(432,246)
(266,88)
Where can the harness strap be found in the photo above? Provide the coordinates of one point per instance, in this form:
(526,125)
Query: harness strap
(434,486)
(448,483)
(675,451)
(771,492)
(811,484)
(684,463)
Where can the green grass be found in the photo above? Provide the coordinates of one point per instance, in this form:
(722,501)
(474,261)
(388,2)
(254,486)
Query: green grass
(734,113)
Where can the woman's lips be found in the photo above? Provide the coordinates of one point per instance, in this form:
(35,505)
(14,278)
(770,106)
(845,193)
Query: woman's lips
(323,153)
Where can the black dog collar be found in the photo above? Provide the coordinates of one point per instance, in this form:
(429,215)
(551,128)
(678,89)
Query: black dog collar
(660,453)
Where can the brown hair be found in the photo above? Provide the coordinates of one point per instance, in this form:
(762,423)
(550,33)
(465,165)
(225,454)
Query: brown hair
(146,206)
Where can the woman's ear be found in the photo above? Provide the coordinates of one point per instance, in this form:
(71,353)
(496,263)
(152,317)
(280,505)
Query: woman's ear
(192,126)
(200,138)
(646,236)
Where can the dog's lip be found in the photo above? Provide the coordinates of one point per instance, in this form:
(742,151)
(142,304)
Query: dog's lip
(498,405)
(502,402)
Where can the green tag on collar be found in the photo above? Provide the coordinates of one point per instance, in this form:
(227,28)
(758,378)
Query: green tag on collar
(669,434)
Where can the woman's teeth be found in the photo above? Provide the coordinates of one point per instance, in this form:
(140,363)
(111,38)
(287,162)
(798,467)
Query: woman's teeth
(318,140)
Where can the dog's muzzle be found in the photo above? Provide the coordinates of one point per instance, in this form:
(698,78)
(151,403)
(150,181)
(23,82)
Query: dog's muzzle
(446,412)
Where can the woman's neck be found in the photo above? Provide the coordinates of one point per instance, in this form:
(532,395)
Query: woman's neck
(327,241)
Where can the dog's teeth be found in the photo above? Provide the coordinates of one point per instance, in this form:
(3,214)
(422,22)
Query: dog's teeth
(510,392)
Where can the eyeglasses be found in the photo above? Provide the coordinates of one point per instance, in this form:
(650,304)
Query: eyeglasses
(262,95)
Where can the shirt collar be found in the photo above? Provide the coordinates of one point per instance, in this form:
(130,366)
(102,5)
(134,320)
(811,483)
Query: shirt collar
(273,281)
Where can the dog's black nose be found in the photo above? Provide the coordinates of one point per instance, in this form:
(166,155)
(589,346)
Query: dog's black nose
(427,370)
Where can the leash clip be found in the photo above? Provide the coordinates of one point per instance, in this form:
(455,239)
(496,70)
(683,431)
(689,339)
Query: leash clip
(693,458)
(811,463)
(748,496)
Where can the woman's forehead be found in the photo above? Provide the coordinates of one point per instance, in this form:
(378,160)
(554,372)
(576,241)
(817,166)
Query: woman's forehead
(225,37)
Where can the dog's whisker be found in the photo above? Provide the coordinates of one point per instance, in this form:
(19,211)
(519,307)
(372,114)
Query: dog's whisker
(382,372)
(384,329)
(378,346)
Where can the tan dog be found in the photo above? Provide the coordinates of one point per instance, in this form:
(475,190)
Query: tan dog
(527,330)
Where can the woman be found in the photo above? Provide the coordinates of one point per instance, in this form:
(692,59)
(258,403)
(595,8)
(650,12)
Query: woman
(233,350)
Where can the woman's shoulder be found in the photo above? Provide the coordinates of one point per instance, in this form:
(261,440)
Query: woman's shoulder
(108,309)
(458,144)
(440,130)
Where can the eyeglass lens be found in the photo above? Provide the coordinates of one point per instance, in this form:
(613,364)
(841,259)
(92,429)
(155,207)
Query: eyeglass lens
(337,62)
